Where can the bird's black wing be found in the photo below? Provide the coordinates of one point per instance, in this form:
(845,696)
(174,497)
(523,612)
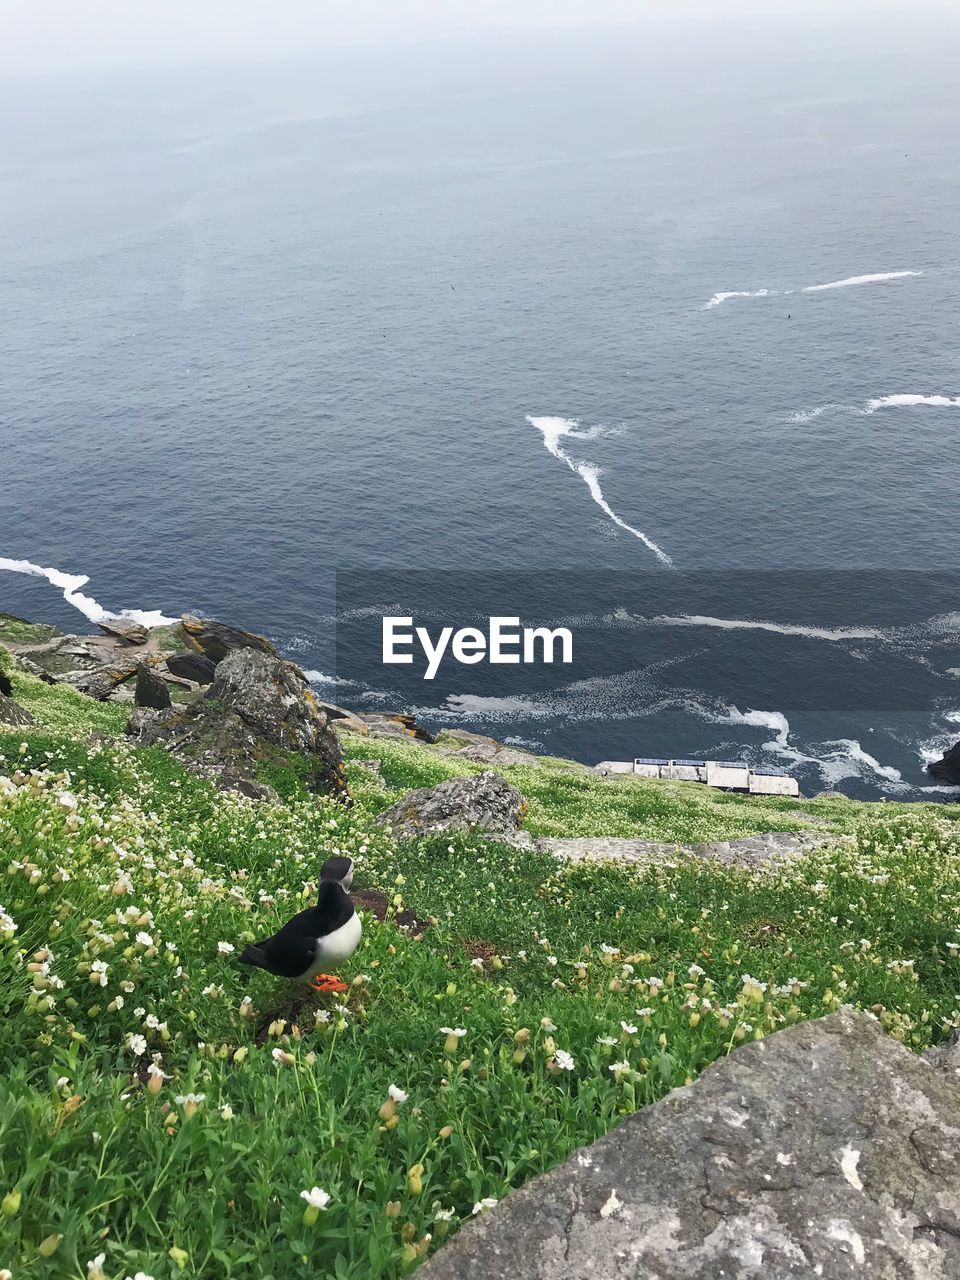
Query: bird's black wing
(291,952)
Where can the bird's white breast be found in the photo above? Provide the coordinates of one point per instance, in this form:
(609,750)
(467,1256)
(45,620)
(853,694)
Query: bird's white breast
(341,943)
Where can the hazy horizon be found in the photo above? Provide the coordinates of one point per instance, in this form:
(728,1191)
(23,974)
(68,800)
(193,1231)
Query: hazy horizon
(99,35)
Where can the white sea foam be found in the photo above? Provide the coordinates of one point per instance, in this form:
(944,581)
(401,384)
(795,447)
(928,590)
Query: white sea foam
(852,281)
(70,584)
(910,402)
(553,430)
(780,628)
(849,282)
(320,677)
(835,760)
(902,400)
(719,299)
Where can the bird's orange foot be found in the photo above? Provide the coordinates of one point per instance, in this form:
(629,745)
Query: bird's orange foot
(328,984)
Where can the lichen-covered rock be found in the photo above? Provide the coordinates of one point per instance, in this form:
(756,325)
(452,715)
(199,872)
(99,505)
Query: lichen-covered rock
(257,707)
(826,1150)
(11,713)
(217,639)
(483,802)
(189,665)
(150,690)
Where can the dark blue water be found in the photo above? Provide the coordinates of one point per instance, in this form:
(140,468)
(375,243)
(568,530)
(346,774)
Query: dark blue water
(264,323)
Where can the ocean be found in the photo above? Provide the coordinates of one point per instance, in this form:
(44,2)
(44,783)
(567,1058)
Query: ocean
(665,300)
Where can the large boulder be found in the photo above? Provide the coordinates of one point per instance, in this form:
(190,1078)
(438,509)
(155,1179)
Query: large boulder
(11,713)
(826,1150)
(947,768)
(217,639)
(257,708)
(150,690)
(483,802)
(189,665)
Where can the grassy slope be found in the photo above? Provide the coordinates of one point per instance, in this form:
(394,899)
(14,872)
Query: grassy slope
(103,843)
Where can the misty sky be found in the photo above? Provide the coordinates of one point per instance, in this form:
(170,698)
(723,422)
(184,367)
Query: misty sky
(56,35)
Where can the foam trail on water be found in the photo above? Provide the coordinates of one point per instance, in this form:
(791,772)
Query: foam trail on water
(851,281)
(70,584)
(780,628)
(719,299)
(554,430)
(908,400)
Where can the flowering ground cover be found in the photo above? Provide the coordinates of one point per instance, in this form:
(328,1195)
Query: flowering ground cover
(166,1112)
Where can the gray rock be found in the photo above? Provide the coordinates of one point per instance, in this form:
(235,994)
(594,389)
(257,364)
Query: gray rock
(257,706)
(126,630)
(945,1056)
(217,639)
(826,1150)
(395,724)
(343,719)
(829,795)
(11,713)
(142,725)
(495,753)
(373,767)
(191,666)
(100,682)
(483,802)
(150,690)
(760,853)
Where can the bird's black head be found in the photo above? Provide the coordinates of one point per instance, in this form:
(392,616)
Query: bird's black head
(338,869)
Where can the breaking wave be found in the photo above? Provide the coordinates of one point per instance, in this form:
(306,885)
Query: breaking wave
(554,430)
(69,584)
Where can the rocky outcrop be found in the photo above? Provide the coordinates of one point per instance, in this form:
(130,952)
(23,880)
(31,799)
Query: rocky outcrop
(189,665)
(947,768)
(102,682)
(125,629)
(825,1150)
(11,713)
(758,853)
(496,754)
(151,690)
(257,708)
(484,802)
(395,724)
(217,639)
(343,719)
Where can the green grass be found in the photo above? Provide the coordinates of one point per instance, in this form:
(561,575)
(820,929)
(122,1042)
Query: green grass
(59,707)
(115,857)
(14,630)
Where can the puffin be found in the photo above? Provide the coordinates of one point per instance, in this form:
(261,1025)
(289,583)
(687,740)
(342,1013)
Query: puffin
(325,934)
